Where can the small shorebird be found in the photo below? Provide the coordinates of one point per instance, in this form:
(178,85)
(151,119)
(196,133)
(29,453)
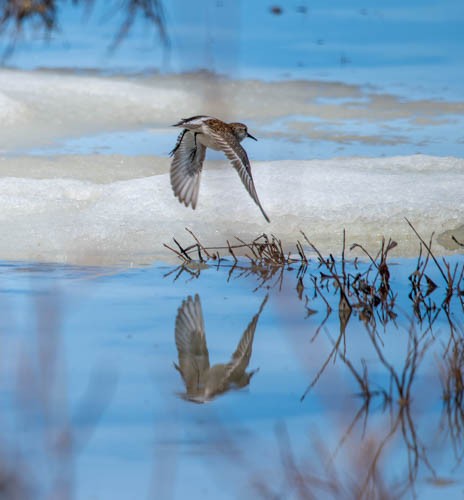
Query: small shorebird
(201,132)
(202,382)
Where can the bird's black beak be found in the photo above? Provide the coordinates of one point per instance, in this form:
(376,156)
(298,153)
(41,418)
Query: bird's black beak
(251,137)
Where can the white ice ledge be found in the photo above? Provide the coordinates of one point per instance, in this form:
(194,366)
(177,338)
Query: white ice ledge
(109,220)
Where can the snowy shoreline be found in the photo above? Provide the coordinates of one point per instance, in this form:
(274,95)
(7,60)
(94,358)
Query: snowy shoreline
(83,210)
(73,202)
(43,108)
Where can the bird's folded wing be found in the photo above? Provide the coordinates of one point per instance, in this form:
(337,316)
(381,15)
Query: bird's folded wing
(239,159)
(191,343)
(194,122)
(188,156)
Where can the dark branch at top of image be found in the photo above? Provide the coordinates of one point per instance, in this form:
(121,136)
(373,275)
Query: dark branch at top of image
(43,16)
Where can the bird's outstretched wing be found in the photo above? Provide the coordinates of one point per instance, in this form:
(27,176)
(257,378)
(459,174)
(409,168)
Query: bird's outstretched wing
(188,156)
(241,357)
(191,344)
(237,156)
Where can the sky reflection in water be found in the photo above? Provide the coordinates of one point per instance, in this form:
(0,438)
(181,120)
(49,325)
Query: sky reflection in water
(89,385)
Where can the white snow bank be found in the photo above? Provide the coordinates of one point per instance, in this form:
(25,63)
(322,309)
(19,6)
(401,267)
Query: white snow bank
(51,105)
(111,218)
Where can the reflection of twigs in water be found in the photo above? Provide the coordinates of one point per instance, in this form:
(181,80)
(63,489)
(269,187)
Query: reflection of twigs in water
(305,481)
(452,379)
(295,478)
(344,309)
(403,383)
(368,295)
(403,420)
(332,270)
(193,270)
(364,410)
(362,476)
(449,276)
(453,419)
(369,292)
(366,393)
(453,327)
(318,292)
(452,374)
(324,365)
(414,356)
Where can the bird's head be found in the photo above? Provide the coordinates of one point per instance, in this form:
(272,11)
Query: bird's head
(241,131)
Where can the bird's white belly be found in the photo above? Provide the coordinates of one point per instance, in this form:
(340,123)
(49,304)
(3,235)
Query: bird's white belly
(208,141)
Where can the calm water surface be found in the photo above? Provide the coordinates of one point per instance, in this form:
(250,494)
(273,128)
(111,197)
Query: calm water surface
(94,407)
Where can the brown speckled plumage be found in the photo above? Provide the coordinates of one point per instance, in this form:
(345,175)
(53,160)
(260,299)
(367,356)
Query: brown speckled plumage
(201,132)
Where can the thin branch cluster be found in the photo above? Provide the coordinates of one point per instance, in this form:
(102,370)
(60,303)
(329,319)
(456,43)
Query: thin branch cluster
(43,16)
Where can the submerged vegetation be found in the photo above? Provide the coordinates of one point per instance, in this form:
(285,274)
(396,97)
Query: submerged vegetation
(373,406)
(365,287)
(370,288)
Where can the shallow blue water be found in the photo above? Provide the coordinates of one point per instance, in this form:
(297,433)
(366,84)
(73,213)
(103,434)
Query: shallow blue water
(402,140)
(413,50)
(91,401)
(415,47)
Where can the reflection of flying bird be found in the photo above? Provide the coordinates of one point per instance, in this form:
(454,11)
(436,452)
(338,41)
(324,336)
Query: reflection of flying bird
(203,382)
(201,132)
